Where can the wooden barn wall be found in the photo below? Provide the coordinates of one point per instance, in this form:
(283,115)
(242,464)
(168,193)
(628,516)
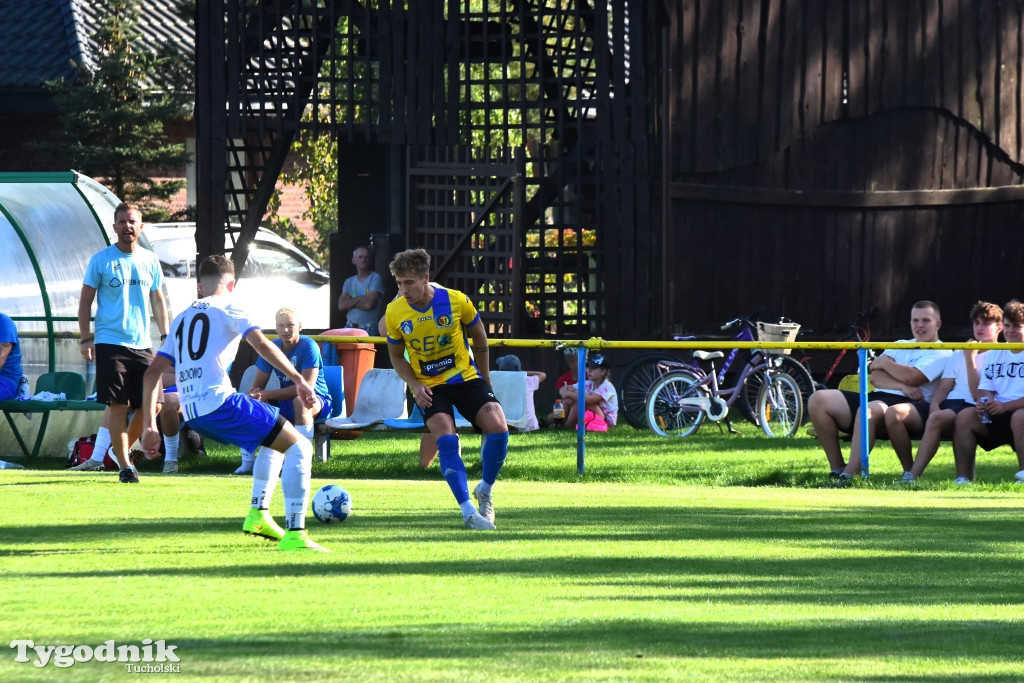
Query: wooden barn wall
(827,157)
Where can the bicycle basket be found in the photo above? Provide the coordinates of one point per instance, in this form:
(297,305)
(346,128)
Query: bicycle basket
(777,332)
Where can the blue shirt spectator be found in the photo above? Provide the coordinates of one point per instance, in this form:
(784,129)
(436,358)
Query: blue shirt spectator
(10,358)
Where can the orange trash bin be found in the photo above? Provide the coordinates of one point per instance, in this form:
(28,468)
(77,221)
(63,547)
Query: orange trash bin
(355,359)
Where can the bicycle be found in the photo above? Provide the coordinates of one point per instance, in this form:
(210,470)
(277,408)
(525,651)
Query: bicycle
(640,376)
(680,400)
(856,329)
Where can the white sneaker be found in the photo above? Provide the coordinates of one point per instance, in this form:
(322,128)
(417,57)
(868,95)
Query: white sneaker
(88,466)
(483,501)
(476,521)
(170,467)
(961,481)
(909,478)
(245,468)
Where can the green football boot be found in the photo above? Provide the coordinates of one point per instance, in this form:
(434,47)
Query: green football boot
(300,540)
(260,523)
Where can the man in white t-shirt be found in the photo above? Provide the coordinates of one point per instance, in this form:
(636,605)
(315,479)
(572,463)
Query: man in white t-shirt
(201,344)
(1002,383)
(957,390)
(899,376)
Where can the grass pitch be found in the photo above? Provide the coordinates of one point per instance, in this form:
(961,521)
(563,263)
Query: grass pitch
(716,557)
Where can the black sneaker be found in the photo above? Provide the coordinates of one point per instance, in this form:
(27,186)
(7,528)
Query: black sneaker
(128,476)
(194,442)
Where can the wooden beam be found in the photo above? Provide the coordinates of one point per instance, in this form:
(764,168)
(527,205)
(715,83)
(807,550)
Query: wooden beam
(901,198)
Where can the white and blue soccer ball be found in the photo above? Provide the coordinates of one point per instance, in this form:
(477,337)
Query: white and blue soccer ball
(332,504)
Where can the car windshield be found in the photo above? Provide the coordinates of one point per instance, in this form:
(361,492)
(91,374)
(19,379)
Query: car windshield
(275,262)
(177,257)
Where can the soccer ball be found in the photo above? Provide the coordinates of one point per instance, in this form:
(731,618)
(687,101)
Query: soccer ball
(332,504)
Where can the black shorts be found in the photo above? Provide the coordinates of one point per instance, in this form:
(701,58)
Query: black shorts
(955,404)
(469,397)
(999,433)
(853,400)
(923,408)
(119,372)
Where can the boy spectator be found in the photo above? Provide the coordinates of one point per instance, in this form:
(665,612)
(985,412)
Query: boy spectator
(956,391)
(1002,382)
(899,376)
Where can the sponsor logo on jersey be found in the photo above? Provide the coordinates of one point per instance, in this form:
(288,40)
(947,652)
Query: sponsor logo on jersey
(436,367)
(444,321)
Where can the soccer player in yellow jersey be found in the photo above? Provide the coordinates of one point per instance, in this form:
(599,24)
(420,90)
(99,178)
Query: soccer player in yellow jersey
(435,325)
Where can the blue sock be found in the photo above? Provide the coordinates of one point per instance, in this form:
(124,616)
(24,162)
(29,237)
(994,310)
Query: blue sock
(492,456)
(452,468)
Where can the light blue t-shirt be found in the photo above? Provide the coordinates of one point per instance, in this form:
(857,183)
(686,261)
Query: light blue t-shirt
(123,283)
(10,373)
(306,354)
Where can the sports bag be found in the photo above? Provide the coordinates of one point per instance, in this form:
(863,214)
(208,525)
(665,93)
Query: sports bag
(81,449)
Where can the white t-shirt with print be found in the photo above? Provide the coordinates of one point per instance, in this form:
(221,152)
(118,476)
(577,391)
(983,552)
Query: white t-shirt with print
(1003,373)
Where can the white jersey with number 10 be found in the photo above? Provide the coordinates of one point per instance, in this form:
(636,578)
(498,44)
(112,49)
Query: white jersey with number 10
(202,343)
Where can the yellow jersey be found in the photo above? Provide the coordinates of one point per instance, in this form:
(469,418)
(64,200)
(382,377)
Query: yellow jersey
(435,337)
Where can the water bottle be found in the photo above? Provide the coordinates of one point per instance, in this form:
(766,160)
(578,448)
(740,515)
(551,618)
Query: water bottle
(24,393)
(985,417)
(558,412)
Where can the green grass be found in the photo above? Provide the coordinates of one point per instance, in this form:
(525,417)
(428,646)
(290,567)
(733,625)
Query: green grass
(716,557)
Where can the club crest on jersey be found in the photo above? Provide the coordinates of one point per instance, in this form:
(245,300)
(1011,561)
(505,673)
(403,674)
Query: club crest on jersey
(406,327)
(444,321)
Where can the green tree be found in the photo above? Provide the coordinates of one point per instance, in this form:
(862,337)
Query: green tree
(317,173)
(112,113)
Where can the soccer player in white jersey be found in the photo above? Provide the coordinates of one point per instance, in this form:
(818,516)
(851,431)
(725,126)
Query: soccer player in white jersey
(435,325)
(201,345)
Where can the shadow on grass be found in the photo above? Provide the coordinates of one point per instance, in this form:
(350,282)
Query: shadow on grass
(915,556)
(636,639)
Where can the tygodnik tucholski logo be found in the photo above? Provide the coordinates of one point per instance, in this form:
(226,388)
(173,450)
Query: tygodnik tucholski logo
(154,656)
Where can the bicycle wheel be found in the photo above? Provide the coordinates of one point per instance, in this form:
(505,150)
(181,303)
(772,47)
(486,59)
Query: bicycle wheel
(673,407)
(748,398)
(637,379)
(779,405)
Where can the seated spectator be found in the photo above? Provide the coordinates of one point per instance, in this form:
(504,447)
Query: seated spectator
(1000,420)
(305,356)
(899,376)
(601,403)
(511,363)
(956,391)
(569,378)
(10,358)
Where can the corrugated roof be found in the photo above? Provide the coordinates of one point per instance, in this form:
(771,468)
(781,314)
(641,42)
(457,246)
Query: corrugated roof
(42,38)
